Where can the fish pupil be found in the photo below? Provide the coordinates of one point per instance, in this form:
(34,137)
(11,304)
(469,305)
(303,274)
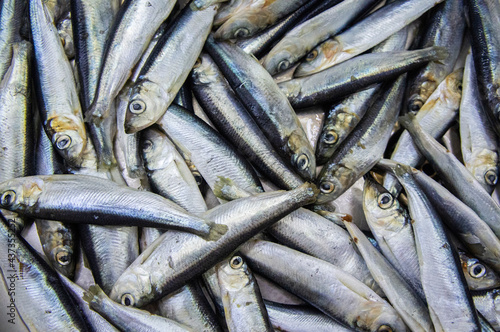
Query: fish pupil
(136,106)
(127,301)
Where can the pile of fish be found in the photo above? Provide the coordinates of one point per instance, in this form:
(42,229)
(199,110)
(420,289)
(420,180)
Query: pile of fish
(250,165)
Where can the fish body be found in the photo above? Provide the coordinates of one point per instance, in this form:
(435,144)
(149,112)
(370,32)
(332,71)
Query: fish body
(11,13)
(266,103)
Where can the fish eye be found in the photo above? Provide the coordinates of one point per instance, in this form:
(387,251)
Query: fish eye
(415,106)
(385,200)
(63,258)
(198,178)
(459,86)
(283,65)
(477,271)
(63,142)
(241,33)
(330,137)
(302,162)
(147,145)
(326,187)
(385,328)
(137,106)
(197,63)
(127,300)
(8,198)
(312,55)
(491,177)
(236,262)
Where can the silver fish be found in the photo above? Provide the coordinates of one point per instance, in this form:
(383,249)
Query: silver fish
(364,35)
(244,308)
(59,105)
(11,13)
(488,304)
(479,142)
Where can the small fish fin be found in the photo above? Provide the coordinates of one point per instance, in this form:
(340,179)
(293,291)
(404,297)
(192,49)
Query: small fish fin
(226,189)
(94,294)
(216,232)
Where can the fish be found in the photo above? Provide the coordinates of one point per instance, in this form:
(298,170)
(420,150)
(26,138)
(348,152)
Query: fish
(412,309)
(266,103)
(167,68)
(479,143)
(436,116)
(252,19)
(11,13)
(354,75)
(460,181)
(142,282)
(244,307)
(390,225)
(364,146)
(479,276)
(329,289)
(129,28)
(486,303)
(299,41)
(126,318)
(445,28)
(58,101)
(30,277)
(97,201)
(450,304)
(484,18)
(17,123)
(362,36)
(232,120)
(65,31)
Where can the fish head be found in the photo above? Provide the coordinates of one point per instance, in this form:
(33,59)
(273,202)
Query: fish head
(478,275)
(21,194)
(68,138)
(133,288)
(61,258)
(383,318)
(157,151)
(319,58)
(244,25)
(327,142)
(147,103)
(280,61)
(233,274)
(302,159)
(334,180)
(205,71)
(382,210)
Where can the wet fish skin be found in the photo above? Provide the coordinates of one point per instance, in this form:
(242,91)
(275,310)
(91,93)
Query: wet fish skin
(129,28)
(479,143)
(244,308)
(207,149)
(231,118)
(94,321)
(184,97)
(168,67)
(487,303)
(450,304)
(446,28)
(322,285)
(266,103)
(59,105)
(17,122)
(412,309)
(34,279)
(460,181)
(98,201)
(11,13)
(338,81)
(363,35)
(169,175)
(303,38)
(484,17)
(364,146)
(126,318)
(91,21)
(192,255)
(295,318)
(65,30)
(246,23)
(391,227)
(436,116)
